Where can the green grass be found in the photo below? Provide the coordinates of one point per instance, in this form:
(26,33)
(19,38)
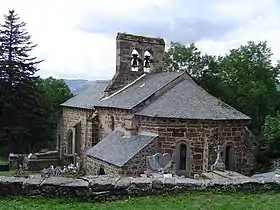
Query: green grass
(3,159)
(184,201)
(7,173)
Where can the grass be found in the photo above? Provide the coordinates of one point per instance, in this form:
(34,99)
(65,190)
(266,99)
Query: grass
(3,159)
(184,201)
(8,173)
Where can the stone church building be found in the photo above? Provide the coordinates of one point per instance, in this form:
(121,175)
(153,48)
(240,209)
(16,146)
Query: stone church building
(113,125)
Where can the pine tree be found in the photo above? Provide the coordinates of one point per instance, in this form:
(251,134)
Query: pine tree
(15,41)
(21,110)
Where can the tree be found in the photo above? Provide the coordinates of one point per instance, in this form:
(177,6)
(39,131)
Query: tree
(58,92)
(15,41)
(251,81)
(21,109)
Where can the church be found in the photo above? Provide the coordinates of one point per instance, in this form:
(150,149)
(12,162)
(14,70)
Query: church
(143,110)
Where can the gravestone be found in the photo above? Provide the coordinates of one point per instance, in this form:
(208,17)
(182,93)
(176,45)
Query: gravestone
(159,162)
(219,163)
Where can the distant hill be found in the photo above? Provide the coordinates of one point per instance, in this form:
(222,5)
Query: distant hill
(76,85)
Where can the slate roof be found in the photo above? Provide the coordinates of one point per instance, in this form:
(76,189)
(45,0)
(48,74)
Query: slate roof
(117,149)
(89,97)
(190,101)
(139,91)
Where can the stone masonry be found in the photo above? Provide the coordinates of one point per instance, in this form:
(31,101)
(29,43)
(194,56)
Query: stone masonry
(125,43)
(202,136)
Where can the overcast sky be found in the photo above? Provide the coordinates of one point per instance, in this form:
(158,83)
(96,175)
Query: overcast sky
(77,37)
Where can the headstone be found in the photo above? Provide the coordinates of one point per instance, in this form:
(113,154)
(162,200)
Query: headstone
(159,162)
(219,164)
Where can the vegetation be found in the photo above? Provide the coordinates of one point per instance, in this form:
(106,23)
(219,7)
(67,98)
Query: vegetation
(3,159)
(29,106)
(183,201)
(7,173)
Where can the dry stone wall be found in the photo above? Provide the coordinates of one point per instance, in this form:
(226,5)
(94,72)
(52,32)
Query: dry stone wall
(103,186)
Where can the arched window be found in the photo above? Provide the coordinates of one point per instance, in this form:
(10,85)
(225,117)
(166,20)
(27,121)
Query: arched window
(69,148)
(112,123)
(182,158)
(228,156)
(135,60)
(147,61)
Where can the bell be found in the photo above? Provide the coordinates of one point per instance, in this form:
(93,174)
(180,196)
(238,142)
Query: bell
(134,61)
(146,63)
(147,57)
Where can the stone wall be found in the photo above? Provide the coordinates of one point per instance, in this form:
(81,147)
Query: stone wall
(104,186)
(105,118)
(202,137)
(94,165)
(71,117)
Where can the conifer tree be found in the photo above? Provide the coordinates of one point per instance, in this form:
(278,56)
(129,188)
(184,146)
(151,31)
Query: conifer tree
(21,110)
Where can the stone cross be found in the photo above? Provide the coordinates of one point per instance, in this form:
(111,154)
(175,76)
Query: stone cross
(219,163)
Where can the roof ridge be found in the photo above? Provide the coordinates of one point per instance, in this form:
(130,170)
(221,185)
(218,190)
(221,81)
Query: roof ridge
(122,89)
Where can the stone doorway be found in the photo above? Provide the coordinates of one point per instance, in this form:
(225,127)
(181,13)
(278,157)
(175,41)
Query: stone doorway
(182,158)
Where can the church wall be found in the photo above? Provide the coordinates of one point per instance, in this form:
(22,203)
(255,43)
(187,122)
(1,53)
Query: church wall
(106,115)
(72,116)
(202,136)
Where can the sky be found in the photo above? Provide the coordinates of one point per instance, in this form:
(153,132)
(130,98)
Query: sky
(76,38)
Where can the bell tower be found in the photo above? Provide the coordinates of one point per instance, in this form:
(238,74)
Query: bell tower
(136,55)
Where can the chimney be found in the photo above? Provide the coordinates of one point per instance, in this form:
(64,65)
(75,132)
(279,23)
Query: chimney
(130,126)
(136,55)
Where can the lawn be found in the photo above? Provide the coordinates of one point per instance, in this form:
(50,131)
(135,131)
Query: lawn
(7,173)
(194,200)
(3,159)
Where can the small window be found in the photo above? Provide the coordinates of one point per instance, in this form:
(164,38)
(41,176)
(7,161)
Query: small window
(101,171)
(183,157)
(112,123)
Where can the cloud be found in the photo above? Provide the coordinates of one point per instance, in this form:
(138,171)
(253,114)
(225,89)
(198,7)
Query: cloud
(77,38)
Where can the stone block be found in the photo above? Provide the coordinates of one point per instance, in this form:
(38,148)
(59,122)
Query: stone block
(122,184)
(11,185)
(141,184)
(102,183)
(187,183)
(55,186)
(32,186)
